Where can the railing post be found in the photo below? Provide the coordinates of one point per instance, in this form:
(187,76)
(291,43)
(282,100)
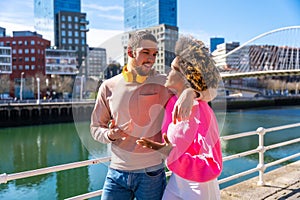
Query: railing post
(261,165)
(3,178)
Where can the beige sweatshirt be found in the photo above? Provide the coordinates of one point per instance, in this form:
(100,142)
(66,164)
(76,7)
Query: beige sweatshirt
(144,104)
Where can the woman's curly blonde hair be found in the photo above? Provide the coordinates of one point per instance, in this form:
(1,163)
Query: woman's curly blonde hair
(196,63)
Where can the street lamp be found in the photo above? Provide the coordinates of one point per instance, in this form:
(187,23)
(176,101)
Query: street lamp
(81,87)
(38,90)
(21,87)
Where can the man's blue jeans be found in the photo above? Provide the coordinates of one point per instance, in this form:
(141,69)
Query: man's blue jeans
(139,184)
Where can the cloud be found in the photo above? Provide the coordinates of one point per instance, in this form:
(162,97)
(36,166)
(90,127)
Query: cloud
(96,37)
(103,8)
(10,27)
(20,12)
(111,17)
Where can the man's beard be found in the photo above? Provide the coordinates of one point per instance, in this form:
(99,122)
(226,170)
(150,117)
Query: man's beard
(139,71)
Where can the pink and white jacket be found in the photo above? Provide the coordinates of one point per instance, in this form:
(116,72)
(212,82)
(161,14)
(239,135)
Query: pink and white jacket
(197,154)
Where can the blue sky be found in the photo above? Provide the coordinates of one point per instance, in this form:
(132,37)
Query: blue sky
(235,20)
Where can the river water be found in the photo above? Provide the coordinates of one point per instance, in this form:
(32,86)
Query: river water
(33,147)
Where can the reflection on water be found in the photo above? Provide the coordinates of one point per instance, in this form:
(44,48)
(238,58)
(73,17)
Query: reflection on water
(33,147)
(28,148)
(250,120)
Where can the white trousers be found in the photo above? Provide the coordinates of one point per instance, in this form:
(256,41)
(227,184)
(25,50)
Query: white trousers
(182,189)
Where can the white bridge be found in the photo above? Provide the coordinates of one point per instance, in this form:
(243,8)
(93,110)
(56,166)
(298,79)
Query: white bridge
(274,53)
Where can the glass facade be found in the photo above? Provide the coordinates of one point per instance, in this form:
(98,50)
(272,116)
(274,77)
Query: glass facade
(44,15)
(66,5)
(214,42)
(146,13)
(44,19)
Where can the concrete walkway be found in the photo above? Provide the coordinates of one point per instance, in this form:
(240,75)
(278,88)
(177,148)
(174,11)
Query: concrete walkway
(282,183)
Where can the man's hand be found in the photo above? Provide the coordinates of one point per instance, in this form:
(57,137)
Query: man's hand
(183,105)
(119,132)
(164,148)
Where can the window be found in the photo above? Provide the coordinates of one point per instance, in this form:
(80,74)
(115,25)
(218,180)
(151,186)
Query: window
(26,59)
(32,59)
(32,42)
(63,18)
(63,33)
(20,67)
(76,19)
(69,18)
(32,67)
(20,51)
(70,41)
(70,33)
(32,50)
(14,51)
(76,34)
(63,25)
(26,51)
(69,26)
(26,67)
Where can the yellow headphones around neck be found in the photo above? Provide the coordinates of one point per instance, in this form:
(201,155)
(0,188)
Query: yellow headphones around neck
(128,76)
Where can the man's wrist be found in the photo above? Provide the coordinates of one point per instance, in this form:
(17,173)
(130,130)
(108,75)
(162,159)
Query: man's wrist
(109,138)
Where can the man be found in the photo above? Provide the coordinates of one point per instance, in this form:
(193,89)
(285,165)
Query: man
(135,100)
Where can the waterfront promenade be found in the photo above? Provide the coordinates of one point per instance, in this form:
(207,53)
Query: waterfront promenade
(282,183)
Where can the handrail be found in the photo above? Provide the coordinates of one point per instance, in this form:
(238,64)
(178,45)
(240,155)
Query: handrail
(8,177)
(261,167)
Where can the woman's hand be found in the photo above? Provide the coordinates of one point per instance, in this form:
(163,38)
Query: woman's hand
(183,105)
(164,148)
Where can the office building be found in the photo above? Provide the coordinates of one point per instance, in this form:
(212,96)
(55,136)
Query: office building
(96,62)
(27,60)
(5,59)
(228,62)
(214,42)
(61,62)
(140,14)
(63,23)
(67,5)
(70,34)
(2,32)
(44,15)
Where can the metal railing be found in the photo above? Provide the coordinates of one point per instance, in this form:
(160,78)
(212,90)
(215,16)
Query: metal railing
(261,167)
(261,149)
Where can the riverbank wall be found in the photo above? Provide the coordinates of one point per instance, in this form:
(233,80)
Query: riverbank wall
(250,103)
(23,114)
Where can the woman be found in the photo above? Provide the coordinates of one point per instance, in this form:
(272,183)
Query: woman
(195,156)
